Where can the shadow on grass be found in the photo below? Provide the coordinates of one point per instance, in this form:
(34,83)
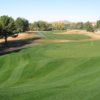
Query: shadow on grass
(15,45)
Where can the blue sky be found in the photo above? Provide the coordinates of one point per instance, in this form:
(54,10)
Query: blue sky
(52,10)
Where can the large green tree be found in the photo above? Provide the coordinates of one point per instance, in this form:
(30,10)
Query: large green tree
(58,25)
(89,27)
(79,25)
(98,24)
(40,26)
(7,27)
(21,25)
(0,29)
(49,27)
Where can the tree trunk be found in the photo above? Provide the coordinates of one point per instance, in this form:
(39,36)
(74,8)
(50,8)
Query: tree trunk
(5,36)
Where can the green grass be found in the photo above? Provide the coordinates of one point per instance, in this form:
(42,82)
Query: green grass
(55,36)
(52,71)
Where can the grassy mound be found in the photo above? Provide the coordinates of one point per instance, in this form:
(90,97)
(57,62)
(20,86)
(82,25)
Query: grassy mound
(63,71)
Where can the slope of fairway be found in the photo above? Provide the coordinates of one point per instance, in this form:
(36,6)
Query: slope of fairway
(61,36)
(51,71)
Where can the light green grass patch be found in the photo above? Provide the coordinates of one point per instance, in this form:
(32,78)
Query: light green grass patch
(61,36)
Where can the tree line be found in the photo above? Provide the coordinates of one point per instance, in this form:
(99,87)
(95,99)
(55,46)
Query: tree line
(45,26)
(10,26)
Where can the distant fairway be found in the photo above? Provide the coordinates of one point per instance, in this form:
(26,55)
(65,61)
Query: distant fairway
(59,36)
(52,71)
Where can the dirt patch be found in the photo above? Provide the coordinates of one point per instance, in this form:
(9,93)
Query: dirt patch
(22,36)
(93,35)
(74,32)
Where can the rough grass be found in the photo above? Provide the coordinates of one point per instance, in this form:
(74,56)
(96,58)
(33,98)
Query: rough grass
(51,71)
(54,36)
